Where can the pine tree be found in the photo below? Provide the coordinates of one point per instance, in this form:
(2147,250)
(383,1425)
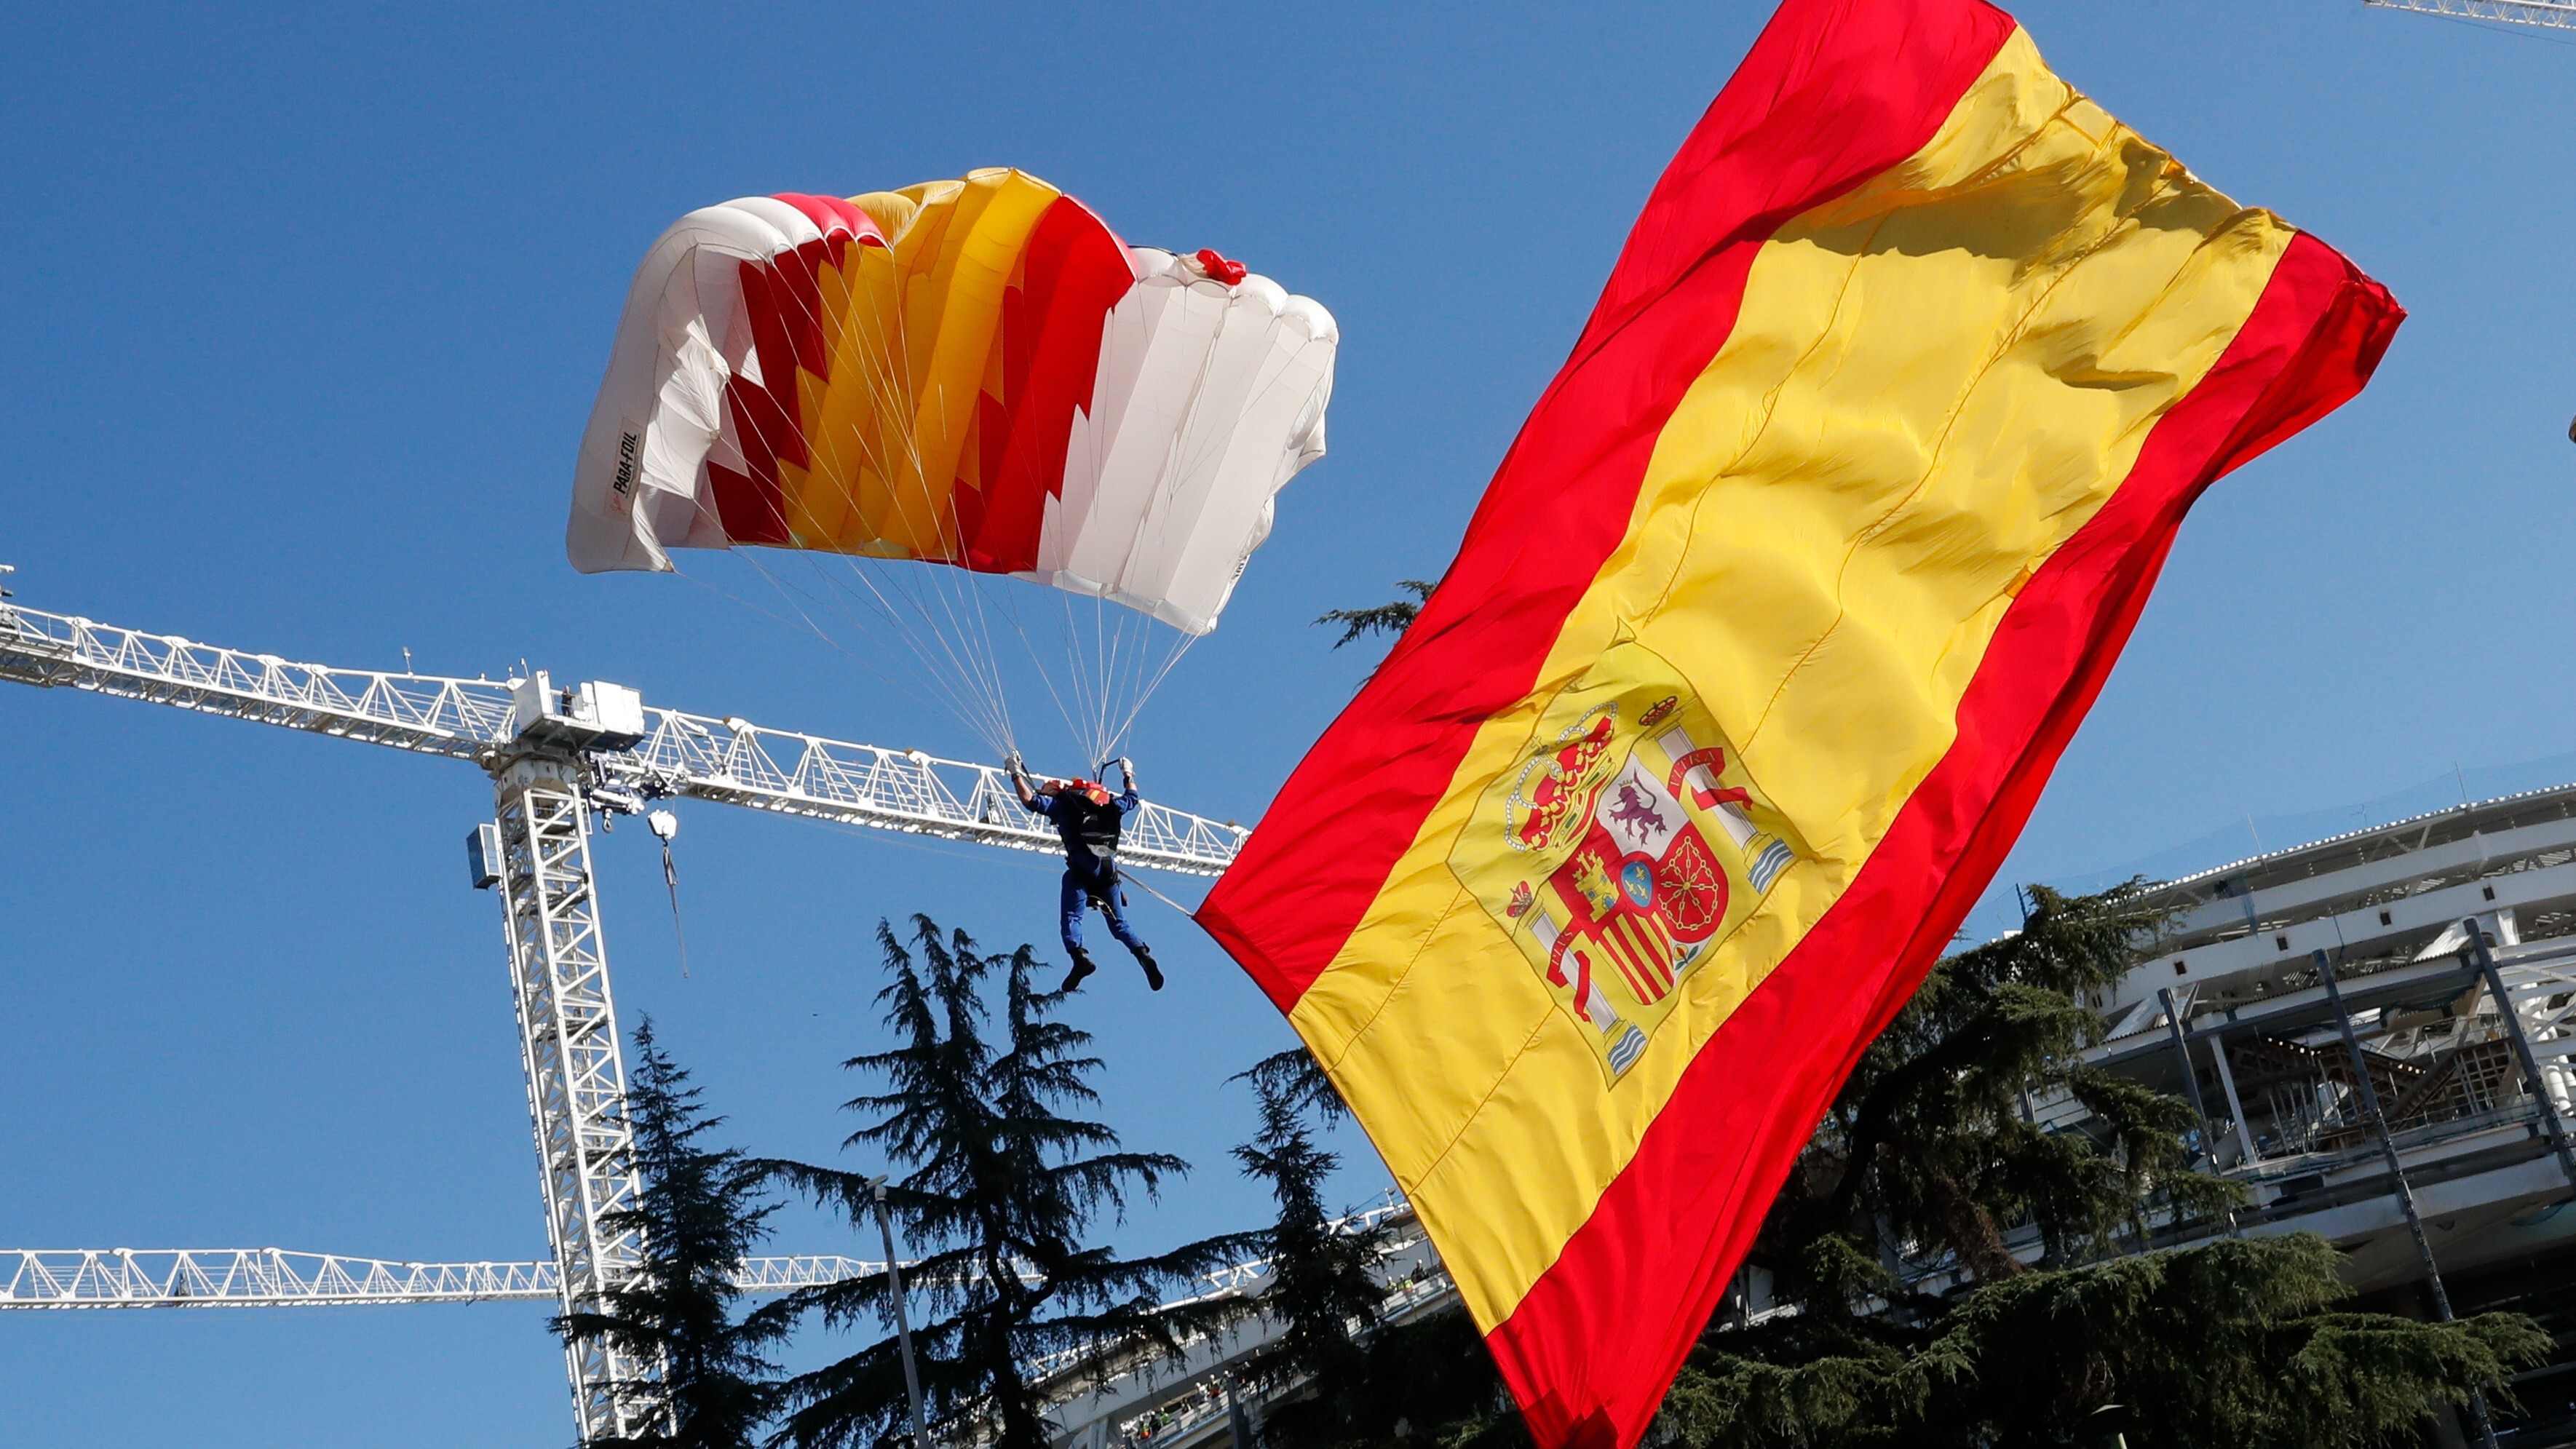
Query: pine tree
(1323,1290)
(998,1194)
(1431,1381)
(1427,1381)
(1298,1080)
(1929,1156)
(1929,1142)
(697,1215)
(2233,1344)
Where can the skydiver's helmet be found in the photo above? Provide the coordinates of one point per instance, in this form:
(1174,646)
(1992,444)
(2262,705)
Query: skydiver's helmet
(1091,790)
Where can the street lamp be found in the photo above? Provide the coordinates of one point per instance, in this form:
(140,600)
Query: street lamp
(902,1321)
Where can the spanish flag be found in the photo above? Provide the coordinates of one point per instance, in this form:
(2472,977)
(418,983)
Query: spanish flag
(1756,656)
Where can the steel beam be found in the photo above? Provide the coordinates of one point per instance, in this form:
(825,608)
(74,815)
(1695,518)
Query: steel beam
(47,1280)
(2405,1190)
(2516,12)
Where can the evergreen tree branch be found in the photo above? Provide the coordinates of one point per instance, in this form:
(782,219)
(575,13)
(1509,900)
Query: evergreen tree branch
(1388,618)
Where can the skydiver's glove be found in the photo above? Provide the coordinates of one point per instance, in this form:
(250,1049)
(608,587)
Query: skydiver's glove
(1127,769)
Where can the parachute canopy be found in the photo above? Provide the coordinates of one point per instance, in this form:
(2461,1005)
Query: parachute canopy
(974,373)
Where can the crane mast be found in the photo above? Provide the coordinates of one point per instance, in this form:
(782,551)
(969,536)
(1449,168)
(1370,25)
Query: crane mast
(575,1068)
(555,757)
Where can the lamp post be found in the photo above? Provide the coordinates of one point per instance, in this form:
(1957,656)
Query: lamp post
(902,1320)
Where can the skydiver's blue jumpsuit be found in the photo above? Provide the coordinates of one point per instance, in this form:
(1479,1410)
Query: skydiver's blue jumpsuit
(1090,836)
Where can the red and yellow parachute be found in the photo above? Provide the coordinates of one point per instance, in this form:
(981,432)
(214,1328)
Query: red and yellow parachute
(974,372)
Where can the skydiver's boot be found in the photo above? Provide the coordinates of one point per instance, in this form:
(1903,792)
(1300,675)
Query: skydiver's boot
(1153,973)
(1081,967)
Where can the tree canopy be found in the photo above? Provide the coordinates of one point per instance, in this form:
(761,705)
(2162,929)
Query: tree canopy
(1324,1292)
(1961,1274)
(997,1194)
(698,1213)
(1393,617)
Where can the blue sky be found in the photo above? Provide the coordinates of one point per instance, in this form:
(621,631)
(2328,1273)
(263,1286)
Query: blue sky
(306,308)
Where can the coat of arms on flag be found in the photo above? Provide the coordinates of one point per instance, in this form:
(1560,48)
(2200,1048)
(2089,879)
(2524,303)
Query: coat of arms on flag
(1621,847)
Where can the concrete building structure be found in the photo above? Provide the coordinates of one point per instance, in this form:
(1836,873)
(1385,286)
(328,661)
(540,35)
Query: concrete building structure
(2470,1053)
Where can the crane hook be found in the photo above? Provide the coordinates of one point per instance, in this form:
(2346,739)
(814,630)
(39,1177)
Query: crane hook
(664,825)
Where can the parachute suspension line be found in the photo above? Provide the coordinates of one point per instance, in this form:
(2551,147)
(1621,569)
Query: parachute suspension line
(1081,680)
(965,708)
(1112,676)
(973,712)
(1115,632)
(971,708)
(807,623)
(1117,736)
(1113,671)
(928,676)
(1120,638)
(970,654)
(971,682)
(1078,680)
(925,605)
(1141,672)
(1045,676)
(1082,666)
(913,626)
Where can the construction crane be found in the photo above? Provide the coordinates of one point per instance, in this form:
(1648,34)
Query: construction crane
(556,758)
(2550,13)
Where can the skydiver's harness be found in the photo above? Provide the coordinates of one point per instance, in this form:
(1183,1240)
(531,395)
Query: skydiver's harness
(1090,838)
(1088,822)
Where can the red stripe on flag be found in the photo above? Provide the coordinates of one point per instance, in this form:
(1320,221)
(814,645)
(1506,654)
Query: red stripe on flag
(1592,1348)
(1834,92)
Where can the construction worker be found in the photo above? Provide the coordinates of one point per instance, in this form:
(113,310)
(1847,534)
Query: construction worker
(1087,819)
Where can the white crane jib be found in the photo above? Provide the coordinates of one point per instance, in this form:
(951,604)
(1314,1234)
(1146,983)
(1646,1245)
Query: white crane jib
(633,751)
(554,757)
(2554,14)
(276,1278)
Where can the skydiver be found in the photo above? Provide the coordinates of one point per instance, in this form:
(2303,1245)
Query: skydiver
(1088,818)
